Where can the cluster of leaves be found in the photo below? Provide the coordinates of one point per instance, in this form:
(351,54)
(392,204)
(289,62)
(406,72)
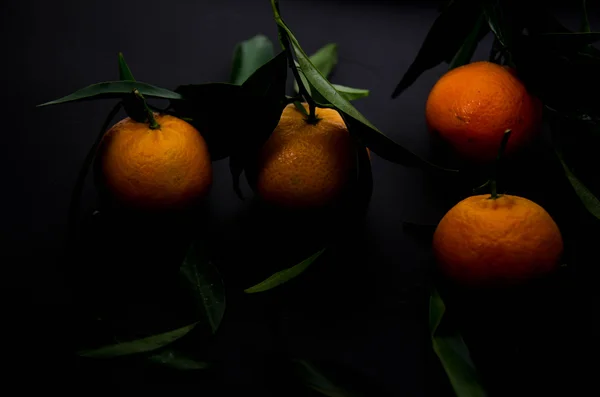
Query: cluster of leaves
(558,65)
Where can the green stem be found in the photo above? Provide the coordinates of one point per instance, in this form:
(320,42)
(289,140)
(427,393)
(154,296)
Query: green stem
(87,162)
(312,114)
(493,189)
(493,179)
(151,120)
(288,48)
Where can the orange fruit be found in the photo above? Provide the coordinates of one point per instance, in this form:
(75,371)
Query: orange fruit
(304,165)
(483,241)
(164,168)
(472,106)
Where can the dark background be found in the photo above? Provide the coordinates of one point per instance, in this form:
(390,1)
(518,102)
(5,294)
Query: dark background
(366,308)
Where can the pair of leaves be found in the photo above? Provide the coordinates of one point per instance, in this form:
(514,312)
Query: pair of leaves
(119,89)
(452,351)
(285,275)
(125,75)
(358,125)
(453,38)
(325,60)
(115,90)
(208,290)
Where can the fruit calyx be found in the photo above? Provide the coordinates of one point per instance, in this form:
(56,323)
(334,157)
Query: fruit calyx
(492,181)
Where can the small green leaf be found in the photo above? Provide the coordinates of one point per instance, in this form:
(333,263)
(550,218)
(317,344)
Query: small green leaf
(316,380)
(284,275)
(300,108)
(249,55)
(585,21)
(115,89)
(589,200)
(357,124)
(351,94)
(452,352)
(124,71)
(442,42)
(207,283)
(466,51)
(177,360)
(324,60)
(138,346)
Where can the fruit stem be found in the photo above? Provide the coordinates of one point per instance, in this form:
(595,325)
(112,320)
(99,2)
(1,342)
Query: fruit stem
(312,113)
(493,183)
(302,90)
(151,120)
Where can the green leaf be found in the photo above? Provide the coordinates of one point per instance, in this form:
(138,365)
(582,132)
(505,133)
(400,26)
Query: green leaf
(466,51)
(138,346)
(585,22)
(124,71)
(268,81)
(357,124)
(266,99)
(324,60)
(589,200)
(115,89)
(496,18)
(177,360)
(385,148)
(442,42)
(351,94)
(249,55)
(206,283)
(452,352)
(284,275)
(316,380)
(300,108)
(210,107)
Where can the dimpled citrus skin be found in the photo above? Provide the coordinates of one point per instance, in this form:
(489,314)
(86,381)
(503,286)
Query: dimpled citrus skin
(484,242)
(166,168)
(471,106)
(305,165)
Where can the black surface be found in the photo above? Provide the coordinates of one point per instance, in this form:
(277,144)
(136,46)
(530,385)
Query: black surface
(367,307)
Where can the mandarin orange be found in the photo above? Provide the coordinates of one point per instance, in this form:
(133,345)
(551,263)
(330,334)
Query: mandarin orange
(471,106)
(483,241)
(155,169)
